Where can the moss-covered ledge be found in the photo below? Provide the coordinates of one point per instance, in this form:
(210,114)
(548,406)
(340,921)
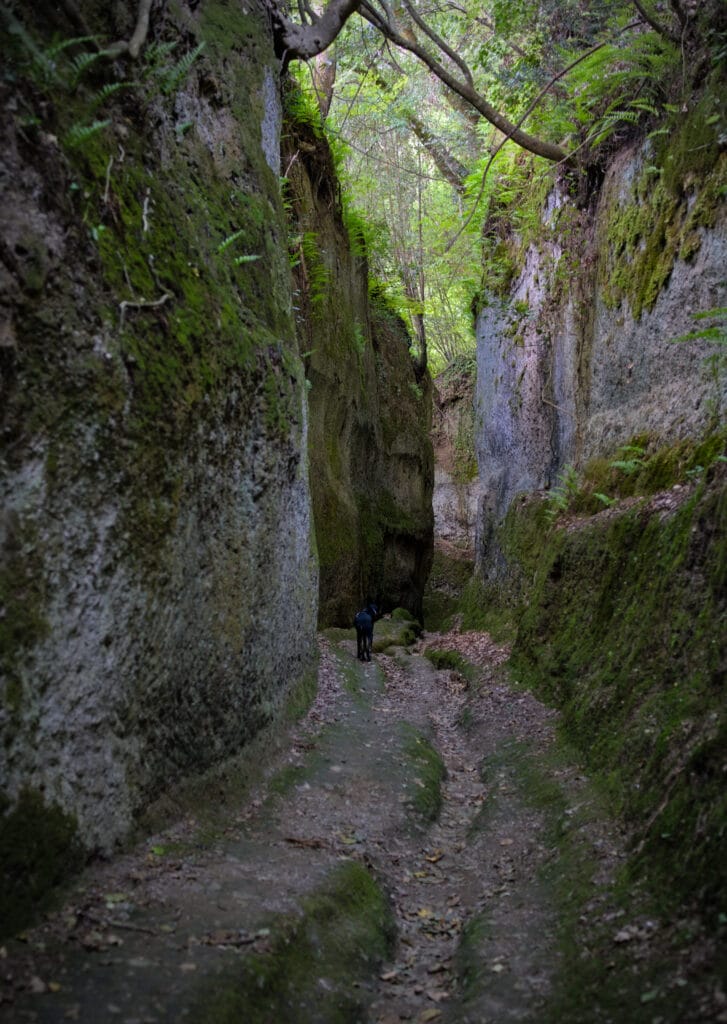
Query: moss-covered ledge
(39,849)
(624,630)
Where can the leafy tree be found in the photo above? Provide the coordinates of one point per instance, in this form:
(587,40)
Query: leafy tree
(423,94)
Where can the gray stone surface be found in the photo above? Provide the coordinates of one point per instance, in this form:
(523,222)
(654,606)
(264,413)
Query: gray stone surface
(457,487)
(455,506)
(159,584)
(563,376)
(371,459)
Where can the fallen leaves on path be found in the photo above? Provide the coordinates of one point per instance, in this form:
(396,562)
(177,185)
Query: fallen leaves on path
(478,857)
(478,648)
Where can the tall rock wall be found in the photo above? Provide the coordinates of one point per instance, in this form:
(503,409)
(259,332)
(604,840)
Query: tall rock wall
(456,480)
(371,461)
(576,355)
(615,580)
(157,566)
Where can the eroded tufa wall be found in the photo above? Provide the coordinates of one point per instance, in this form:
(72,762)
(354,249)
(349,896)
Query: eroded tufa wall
(371,461)
(615,580)
(456,481)
(157,569)
(576,353)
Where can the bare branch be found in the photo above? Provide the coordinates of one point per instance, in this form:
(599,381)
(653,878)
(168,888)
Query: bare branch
(141,304)
(440,43)
(109,165)
(323,78)
(540,147)
(134,45)
(311,16)
(651,20)
(370,14)
(304,41)
(388,11)
(527,113)
(446,163)
(142,29)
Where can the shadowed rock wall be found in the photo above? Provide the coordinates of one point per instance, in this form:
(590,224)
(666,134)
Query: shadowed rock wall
(371,462)
(157,569)
(456,482)
(577,356)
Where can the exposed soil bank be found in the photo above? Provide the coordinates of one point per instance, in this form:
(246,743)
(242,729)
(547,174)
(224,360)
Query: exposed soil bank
(423,851)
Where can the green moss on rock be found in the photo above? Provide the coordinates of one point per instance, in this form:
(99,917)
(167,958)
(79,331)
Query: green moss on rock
(403,615)
(370,455)
(624,629)
(642,467)
(345,931)
(39,848)
(425,796)
(671,199)
(399,630)
(178,245)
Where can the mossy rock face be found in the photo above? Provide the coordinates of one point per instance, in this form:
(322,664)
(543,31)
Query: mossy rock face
(624,630)
(157,561)
(399,630)
(371,462)
(346,930)
(39,847)
(672,198)
(579,351)
(402,615)
(451,574)
(456,484)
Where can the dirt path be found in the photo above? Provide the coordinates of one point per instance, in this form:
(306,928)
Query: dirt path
(416,855)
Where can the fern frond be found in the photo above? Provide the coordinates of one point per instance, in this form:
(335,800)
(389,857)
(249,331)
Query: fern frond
(156,52)
(229,240)
(57,49)
(604,499)
(621,77)
(627,466)
(107,91)
(608,124)
(171,78)
(81,63)
(719,311)
(78,134)
(715,332)
(648,108)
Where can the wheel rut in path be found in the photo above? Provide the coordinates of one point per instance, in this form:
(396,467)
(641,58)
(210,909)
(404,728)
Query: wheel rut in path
(384,870)
(476,928)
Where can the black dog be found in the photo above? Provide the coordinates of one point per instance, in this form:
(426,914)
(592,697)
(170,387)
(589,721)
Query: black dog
(364,623)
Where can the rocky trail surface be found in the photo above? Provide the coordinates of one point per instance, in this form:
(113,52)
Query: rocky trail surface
(418,850)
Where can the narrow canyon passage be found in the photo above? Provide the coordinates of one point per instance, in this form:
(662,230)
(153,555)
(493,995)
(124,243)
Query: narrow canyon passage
(412,853)
(285,332)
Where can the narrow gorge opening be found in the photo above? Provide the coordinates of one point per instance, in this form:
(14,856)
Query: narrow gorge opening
(416,308)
